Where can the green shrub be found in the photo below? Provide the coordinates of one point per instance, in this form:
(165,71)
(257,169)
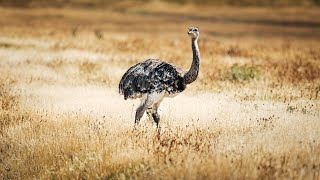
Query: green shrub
(242,73)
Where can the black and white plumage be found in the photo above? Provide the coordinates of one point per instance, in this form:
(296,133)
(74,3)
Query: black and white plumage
(149,76)
(153,79)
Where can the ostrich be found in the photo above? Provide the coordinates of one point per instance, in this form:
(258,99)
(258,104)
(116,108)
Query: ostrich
(153,79)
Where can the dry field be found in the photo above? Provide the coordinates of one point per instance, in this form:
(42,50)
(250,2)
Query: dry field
(254,112)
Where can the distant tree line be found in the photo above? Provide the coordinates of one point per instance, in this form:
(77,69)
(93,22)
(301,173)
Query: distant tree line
(252,2)
(104,3)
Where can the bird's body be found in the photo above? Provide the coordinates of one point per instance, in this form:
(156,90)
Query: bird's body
(152,76)
(154,79)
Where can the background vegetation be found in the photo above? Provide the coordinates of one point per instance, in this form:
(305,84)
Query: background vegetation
(108,3)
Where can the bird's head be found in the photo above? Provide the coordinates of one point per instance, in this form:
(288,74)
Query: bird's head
(193,32)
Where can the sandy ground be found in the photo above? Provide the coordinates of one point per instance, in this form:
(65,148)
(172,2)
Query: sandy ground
(202,109)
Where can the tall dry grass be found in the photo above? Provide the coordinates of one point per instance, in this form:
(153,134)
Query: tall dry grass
(253,113)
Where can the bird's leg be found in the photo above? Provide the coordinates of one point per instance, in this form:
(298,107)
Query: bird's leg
(146,102)
(140,111)
(156,117)
(155,114)
(151,101)
(139,114)
(149,113)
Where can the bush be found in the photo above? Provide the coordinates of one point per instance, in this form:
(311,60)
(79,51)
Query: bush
(242,73)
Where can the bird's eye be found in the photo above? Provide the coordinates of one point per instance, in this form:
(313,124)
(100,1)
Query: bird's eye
(196,30)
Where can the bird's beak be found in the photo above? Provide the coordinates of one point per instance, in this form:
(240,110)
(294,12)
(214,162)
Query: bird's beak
(189,32)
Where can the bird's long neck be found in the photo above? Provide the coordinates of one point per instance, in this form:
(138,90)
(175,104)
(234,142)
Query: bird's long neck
(192,74)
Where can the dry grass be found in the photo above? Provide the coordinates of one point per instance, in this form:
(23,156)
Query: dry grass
(253,113)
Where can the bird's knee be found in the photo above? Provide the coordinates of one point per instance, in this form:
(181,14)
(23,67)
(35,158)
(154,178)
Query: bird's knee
(156,117)
(139,114)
